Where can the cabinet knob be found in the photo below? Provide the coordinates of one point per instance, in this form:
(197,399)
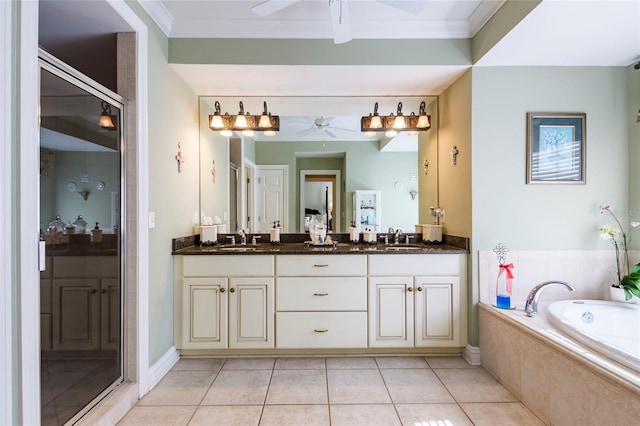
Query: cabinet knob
(222,290)
(94,291)
(104,290)
(232,290)
(320,265)
(410,289)
(420,288)
(320,330)
(320,294)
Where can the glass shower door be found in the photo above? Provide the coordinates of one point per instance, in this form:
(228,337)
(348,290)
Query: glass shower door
(80,286)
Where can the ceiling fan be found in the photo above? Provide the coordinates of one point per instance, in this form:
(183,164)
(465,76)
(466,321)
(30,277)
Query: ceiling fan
(339,10)
(322,125)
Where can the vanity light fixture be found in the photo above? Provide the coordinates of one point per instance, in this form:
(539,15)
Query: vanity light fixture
(106,119)
(392,124)
(243,121)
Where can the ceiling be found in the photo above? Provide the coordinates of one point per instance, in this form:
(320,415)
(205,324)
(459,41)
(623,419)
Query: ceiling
(555,33)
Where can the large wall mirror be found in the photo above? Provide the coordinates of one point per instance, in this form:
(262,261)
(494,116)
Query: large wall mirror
(318,136)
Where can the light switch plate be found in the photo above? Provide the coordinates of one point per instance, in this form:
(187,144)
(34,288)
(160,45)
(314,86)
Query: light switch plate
(152,220)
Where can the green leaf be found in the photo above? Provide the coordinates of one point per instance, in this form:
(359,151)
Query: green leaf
(636,268)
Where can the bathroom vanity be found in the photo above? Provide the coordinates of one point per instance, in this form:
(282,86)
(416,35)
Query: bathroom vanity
(340,299)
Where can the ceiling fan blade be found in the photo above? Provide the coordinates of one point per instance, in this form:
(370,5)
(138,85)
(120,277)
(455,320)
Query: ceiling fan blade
(414,7)
(330,133)
(340,21)
(271,6)
(306,131)
(342,128)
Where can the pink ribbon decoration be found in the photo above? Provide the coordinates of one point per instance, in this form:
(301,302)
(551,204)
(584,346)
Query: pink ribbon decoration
(509,275)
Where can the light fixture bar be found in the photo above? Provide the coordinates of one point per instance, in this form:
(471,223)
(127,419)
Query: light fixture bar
(399,122)
(244,122)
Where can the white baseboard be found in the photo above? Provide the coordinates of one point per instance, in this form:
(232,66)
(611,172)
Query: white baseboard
(471,354)
(158,370)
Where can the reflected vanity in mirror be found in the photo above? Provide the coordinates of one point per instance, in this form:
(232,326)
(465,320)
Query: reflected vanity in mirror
(319,136)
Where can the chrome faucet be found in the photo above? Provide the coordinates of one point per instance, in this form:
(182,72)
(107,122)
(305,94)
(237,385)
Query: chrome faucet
(396,236)
(243,237)
(531,305)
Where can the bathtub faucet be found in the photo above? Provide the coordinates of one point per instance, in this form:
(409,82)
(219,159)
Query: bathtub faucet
(531,305)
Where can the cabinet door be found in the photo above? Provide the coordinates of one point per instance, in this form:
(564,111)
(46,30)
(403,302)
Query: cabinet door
(76,314)
(437,311)
(251,313)
(110,313)
(204,310)
(391,311)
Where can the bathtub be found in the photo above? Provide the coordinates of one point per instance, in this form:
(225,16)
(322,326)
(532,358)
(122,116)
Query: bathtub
(610,328)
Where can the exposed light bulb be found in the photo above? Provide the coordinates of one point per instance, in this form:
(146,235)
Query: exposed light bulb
(269,133)
(412,133)
(370,134)
(247,132)
(391,133)
(227,133)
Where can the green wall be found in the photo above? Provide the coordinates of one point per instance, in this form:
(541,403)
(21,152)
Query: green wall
(545,217)
(365,167)
(632,111)
(173,196)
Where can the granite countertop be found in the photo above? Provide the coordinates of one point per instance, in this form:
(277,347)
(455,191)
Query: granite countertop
(297,244)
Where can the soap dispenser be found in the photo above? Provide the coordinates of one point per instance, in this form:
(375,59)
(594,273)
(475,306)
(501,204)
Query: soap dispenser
(96,234)
(274,233)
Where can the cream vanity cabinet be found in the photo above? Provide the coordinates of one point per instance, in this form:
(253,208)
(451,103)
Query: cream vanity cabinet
(321,301)
(224,301)
(85,302)
(417,301)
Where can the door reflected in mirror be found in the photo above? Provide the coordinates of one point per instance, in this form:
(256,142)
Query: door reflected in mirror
(319,198)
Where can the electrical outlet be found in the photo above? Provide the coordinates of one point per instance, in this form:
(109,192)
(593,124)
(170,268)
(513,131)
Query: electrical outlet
(195,217)
(152,220)
(224,216)
(441,215)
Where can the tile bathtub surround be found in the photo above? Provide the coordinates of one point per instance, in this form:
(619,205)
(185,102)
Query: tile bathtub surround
(335,391)
(552,381)
(590,272)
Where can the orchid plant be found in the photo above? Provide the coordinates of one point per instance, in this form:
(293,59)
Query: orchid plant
(628,278)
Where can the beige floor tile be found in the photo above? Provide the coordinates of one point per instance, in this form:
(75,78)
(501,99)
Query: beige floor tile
(153,416)
(432,414)
(448,362)
(356,387)
(502,414)
(202,364)
(300,364)
(401,362)
(473,385)
(243,387)
(295,415)
(350,415)
(298,387)
(351,363)
(249,364)
(408,385)
(239,415)
(179,388)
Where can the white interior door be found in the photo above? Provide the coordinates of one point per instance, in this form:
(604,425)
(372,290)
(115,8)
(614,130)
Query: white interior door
(273,196)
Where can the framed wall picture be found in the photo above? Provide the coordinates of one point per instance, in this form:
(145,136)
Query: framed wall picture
(556,148)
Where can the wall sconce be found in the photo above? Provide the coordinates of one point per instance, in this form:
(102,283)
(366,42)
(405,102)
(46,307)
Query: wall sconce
(244,122)
(107,121)
(392,124)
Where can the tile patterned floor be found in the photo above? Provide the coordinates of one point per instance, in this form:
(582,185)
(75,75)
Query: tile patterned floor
(416,391)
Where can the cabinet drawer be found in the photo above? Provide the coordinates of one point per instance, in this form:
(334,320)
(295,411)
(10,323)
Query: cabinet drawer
(227,266)
(321,330)
(321,294)
(321,265)
(415,264)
